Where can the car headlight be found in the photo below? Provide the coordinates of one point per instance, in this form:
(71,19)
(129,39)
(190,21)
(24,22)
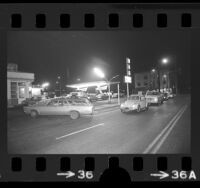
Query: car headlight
(155,99)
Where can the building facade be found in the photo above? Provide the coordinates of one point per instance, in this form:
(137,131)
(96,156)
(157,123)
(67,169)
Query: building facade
(149,80)
(142,80)
(18,85)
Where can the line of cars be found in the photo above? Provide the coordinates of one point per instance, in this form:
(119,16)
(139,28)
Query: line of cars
(74,104)
(138,102)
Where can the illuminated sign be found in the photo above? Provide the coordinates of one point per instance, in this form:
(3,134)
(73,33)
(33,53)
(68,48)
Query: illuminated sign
(128,66)
(127,79)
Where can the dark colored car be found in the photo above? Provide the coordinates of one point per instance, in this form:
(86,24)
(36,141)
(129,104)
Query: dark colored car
(166,97)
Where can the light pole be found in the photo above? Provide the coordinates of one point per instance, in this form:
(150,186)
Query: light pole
(59,84)
(164,61)
(99,73)
(153,78)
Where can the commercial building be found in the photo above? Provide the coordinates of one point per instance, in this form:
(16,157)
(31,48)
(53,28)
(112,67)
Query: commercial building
(149,80)
(142,80)
(18,85)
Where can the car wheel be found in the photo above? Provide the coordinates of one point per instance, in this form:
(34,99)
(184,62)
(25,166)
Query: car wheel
(34,113)
(74,115)
(122,111)
(138,108)
(147,107)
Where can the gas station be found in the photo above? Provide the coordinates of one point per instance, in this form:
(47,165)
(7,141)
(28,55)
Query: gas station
(98,85)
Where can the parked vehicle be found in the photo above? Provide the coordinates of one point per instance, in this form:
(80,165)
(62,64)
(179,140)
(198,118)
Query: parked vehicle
(115,95)
(171,95)
(61,106)
(102,96)
(166,97)
(134,103)
(92,97)
(153,97)
(78,94)
(162,97)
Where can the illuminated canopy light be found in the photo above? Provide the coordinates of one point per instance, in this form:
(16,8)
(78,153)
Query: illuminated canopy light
(90,84)
(99,73)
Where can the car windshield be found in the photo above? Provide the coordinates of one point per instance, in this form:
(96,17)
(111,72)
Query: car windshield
(134,98)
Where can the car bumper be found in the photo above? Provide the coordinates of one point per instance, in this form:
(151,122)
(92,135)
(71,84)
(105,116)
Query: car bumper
(152,101)
(128,108)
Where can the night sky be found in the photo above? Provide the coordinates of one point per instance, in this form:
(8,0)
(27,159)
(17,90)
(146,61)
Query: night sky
(49,54)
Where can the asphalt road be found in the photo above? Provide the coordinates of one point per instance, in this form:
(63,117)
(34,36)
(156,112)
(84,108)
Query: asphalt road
(161,129)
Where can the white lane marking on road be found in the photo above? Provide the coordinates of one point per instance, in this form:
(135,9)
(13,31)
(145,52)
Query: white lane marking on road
(147,150)
(155,150)
(76,132)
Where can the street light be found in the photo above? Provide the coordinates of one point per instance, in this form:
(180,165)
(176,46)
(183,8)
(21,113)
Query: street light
(164,76)
(46,84)
(165,60)
(99,72)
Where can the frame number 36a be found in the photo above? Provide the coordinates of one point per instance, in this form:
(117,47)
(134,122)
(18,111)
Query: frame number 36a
(183,175)
(82,174)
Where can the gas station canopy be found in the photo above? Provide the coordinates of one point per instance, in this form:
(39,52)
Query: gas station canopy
(91,84)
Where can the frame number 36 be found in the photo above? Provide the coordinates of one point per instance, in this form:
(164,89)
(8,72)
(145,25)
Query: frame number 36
(82,174)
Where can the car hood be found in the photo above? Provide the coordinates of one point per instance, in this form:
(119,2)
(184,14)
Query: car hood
(131,102)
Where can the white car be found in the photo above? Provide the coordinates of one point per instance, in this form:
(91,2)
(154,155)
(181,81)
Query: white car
(134,103)
(61,106)
(153,97)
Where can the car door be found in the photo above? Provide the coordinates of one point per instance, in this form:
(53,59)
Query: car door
(51,108)
(143,102)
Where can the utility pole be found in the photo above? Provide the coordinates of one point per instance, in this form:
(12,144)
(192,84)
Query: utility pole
(158,79)
(118,95)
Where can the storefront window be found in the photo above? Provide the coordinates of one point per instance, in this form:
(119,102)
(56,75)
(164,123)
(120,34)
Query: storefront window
(13,90)
(21,92)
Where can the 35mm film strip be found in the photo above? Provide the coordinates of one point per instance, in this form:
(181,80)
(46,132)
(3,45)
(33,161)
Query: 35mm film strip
(99,92)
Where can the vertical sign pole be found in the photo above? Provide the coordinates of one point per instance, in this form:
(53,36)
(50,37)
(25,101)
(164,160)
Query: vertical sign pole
(127,91)
(128,73)
(118,94)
